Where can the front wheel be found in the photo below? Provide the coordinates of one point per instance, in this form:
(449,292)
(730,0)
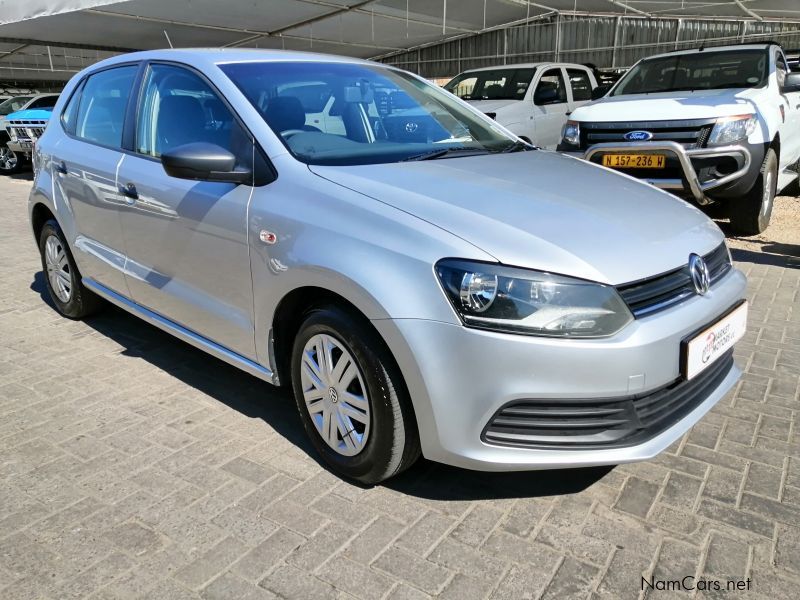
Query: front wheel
(750,214)
(10,163)
(352,398)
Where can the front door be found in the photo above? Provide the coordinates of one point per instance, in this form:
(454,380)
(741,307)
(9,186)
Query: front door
(85,166)
(188,257)
(550,107)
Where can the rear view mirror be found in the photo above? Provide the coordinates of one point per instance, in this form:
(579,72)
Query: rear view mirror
(600,91)
(358,94)
(202,161)
(791,83)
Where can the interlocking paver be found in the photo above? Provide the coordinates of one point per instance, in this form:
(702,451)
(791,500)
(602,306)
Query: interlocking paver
(133,466)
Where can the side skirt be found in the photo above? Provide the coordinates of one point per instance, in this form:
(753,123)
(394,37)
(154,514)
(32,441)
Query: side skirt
(180,332)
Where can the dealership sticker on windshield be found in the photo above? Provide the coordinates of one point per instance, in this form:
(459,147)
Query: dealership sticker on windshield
(706,347)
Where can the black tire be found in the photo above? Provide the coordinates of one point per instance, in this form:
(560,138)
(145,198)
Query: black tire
(750,214)
(81,301)
(393,441)
(10,162)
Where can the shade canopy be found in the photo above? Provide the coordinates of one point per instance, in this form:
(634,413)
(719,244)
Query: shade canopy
(53,39)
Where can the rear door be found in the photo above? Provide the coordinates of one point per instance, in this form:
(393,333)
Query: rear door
(84,164)
(188,257)
(550,106)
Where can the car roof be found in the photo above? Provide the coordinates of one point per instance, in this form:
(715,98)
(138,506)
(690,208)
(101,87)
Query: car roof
(527,66)
(205,57)
(761,46)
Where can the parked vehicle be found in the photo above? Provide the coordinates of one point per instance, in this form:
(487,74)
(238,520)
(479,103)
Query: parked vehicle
(9,161)
(715,125)
(531,100)
(423,281)
(23,129)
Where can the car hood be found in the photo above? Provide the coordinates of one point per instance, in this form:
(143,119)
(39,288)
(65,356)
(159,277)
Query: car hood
(543,211)
(491,105)
(31,114)
(702,104)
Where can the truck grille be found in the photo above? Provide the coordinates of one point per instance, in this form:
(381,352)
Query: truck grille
(653,294)
(586,423)
(690,134)
(27,130)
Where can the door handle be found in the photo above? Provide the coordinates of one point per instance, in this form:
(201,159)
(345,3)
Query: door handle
(61,167)
(129,191)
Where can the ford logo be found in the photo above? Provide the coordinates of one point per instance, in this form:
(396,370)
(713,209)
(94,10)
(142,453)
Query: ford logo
(638,136)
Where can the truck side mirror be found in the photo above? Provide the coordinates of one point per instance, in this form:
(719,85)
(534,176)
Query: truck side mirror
(600,91)
(791,83)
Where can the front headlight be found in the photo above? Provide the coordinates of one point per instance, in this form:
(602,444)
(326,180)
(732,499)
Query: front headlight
(732,129)
(509,299)
(572,133)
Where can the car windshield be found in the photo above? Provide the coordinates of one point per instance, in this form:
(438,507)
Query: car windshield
(705,70)
(348,113)
(494,84)
(13,105)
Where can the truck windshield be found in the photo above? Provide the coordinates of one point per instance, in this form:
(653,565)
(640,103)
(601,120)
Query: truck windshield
(348,113)
(13,105)
(494,84)
(707,70)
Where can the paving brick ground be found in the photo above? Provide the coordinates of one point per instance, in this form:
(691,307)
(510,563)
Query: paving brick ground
(133,466)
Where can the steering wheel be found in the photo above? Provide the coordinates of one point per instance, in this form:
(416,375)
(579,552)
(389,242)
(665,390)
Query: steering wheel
(287,133)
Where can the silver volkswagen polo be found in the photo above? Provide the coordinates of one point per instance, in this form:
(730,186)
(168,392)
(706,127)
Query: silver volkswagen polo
(424,281)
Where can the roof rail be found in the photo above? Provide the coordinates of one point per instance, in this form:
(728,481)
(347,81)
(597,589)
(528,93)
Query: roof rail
(702,47)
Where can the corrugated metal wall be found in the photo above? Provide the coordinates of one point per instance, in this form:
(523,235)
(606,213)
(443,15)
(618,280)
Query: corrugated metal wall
(604,41)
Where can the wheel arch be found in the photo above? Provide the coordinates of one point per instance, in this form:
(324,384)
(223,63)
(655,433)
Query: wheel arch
(40,214)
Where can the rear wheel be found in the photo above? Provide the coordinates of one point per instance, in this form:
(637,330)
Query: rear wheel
(750,214)
(352,398)
(10,163)
(64,285)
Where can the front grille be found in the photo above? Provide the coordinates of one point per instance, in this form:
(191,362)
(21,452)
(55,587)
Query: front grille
(690,133)
(587,423)
(28,130)
(648,296)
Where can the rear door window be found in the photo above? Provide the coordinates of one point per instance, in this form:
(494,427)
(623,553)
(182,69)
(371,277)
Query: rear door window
(101,113)
(551,88)
(580,83)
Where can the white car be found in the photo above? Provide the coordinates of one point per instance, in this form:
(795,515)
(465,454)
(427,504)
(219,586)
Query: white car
(531,100)
(717,125)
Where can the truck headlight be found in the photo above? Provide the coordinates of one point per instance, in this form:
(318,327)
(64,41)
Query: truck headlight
(514,300)
(731,129)
(571,134)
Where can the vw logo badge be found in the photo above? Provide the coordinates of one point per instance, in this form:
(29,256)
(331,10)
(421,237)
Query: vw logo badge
(698,269)
(411,127)
(638,136)
(333,394)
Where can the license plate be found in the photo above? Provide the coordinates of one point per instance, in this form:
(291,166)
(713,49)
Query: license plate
(635,161)
(708,346)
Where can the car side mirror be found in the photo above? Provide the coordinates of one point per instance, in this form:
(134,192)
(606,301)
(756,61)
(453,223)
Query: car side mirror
(791,83)
(202,161)
(546,95)
(600,91)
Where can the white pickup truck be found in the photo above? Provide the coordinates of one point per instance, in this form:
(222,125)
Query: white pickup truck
(714,125)
(531,100)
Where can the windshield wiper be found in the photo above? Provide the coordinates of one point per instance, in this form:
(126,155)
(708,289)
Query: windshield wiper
(441,153)
(518,146)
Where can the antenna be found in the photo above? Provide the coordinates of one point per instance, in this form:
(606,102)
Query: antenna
(169,41)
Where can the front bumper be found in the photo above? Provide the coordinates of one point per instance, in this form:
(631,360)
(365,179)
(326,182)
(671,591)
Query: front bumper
(459,378)
(736,160)
(21,147)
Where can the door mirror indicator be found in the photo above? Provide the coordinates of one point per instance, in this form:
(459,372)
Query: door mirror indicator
(202,161)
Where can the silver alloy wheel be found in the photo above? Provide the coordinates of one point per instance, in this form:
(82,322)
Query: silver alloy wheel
(58,272)
(8,159)
(335,394)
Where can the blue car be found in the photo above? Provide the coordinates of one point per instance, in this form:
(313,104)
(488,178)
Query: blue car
(24,128)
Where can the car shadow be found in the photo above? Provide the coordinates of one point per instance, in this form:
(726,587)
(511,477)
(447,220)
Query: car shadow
(257,399)
(787,257)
